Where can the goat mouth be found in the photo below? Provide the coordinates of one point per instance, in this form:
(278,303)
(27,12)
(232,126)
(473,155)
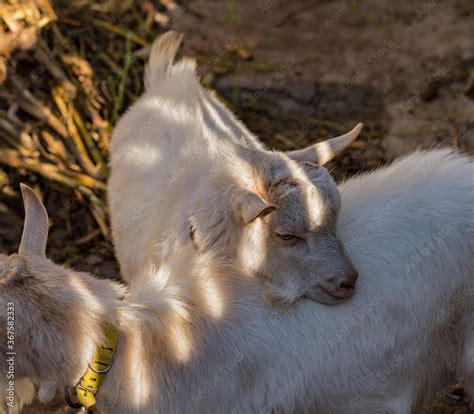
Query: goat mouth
(338,295)
(324,296)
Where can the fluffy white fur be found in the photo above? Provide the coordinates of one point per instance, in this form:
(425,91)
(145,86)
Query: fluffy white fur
(182,164)
(406,335)
(399,343)
(196,336)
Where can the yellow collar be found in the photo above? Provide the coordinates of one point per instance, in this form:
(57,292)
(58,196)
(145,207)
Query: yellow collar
(83,394)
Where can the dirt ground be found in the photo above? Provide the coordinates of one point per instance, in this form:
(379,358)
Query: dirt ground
(295,72)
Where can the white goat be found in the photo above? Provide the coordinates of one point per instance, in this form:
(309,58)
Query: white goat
(196,337)
(183,168)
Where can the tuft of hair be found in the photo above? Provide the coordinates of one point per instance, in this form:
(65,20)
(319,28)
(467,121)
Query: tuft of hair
(161,65)
(157,297)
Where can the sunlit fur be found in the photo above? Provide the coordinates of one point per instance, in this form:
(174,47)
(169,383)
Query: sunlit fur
(405,337)
(59,320)
(181,163)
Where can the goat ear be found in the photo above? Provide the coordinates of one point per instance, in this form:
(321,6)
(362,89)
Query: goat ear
(322,152)
(252,207)
(35,228)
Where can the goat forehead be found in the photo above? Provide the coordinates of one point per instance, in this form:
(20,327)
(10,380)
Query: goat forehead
(288,175)
(305,209)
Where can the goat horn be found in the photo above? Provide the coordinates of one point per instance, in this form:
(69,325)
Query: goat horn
(322,152)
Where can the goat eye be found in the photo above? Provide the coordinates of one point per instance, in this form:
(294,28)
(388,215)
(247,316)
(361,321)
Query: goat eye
(311,165)
(286,237)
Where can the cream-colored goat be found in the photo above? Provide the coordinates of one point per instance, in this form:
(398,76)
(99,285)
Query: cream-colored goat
(195,336)
(182,169)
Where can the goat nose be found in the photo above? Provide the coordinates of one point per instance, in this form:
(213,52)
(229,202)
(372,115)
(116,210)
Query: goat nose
(347,286)
(349,281)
